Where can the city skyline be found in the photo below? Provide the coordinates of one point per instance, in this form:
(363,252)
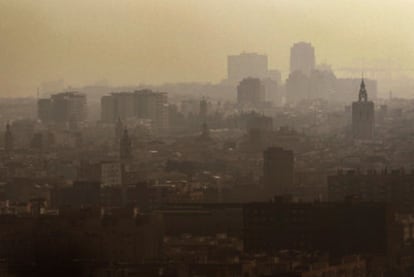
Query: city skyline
(131,43)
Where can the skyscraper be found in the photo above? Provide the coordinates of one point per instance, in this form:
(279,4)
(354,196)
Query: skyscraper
(63,107)
(302,58)
(278,166)
(363,115)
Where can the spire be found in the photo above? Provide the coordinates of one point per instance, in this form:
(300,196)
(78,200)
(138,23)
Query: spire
(363,96)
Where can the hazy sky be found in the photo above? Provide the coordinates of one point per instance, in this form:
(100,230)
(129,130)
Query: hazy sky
(154,41)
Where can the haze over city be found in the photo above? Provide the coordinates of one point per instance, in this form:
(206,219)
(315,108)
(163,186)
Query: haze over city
(189,138)
(136,42)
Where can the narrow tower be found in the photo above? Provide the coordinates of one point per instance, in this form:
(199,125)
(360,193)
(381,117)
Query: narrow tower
(363,115)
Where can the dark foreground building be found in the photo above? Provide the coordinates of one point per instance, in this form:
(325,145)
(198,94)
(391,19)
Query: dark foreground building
(336,228)
(395,187)
(76,242)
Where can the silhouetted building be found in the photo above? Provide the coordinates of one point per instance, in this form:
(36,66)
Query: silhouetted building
(395,187)
(125,147)
(363,115)
(337,228)
(81,194)
(202,219)
(63,108)
(250,92)
(278,165)
(302,58)
(74,242)
(141,104)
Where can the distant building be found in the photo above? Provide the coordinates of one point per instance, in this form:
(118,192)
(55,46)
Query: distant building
(141,104)
(363,115)
(63,107)
(273,93)
(246,65)
(297,87)
(250,92)
(302,58)
(278,165)
(125,147)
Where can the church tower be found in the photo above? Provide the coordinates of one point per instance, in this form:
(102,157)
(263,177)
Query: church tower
(363,115)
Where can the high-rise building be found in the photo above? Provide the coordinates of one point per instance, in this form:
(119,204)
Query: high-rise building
(63,107)
(302,58)
(142,104)
(154,106)
(278,165)
(363,115)
(250,92)
(246,65)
